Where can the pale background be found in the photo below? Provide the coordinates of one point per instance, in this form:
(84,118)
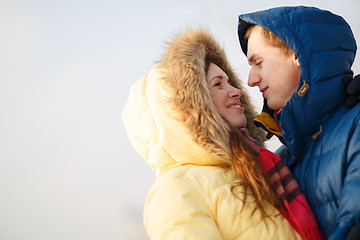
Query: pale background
(67,170)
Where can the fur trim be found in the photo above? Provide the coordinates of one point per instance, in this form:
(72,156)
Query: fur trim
(183,71)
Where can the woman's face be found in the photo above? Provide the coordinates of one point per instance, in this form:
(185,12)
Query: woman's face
(226,97)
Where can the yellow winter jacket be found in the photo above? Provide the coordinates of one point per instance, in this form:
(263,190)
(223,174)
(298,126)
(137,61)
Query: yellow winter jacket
(173,124)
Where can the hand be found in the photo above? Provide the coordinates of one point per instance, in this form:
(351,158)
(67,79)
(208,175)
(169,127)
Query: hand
(352,86)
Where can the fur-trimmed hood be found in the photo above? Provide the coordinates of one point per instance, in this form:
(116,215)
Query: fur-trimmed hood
(170,117)
(326,49)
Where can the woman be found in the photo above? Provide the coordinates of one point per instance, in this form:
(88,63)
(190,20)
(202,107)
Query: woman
(191,123)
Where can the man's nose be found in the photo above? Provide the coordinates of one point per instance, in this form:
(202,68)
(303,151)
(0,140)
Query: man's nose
(254,78)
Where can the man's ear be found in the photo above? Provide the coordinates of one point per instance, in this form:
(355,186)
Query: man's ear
(295,59)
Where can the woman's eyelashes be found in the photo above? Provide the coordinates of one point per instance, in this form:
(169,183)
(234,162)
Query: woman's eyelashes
(221,82)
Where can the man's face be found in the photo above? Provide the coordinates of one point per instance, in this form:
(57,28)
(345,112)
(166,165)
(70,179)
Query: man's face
(276,73)
(225,97)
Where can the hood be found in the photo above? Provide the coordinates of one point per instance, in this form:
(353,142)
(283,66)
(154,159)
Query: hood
(170,117)
(325,47)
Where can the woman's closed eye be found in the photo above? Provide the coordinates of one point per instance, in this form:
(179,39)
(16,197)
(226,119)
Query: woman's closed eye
(222,83)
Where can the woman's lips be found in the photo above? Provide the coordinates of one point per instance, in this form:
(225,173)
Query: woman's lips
(235,106)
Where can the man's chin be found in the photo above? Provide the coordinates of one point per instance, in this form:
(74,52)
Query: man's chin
(273,106)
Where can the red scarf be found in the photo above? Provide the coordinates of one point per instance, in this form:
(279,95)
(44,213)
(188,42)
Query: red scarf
(298,212)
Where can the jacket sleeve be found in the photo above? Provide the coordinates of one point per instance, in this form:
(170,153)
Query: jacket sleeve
(285,155)
(348,217)
(176,209)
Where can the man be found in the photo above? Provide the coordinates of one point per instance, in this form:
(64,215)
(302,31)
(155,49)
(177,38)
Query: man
(300,58)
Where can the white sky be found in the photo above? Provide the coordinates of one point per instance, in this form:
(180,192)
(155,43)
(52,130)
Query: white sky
(67,170)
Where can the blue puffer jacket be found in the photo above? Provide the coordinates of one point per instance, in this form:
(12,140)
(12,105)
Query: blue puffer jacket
(321,135)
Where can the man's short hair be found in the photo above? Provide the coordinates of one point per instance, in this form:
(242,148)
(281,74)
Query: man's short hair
(269,38)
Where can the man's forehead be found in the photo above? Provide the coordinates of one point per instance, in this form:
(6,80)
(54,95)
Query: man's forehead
(255,38)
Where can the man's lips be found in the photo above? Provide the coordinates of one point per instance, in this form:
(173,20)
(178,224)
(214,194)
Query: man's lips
(263,90)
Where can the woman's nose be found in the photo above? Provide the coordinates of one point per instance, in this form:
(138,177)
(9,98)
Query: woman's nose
(254,78)
(235,92)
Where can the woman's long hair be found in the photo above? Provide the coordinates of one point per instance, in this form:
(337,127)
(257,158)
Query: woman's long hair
(247,167)
(251,174)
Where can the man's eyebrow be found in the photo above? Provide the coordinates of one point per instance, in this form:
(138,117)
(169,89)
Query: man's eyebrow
(252,58)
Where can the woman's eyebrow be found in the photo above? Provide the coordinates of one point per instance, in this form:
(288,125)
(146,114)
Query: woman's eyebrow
(215,77)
